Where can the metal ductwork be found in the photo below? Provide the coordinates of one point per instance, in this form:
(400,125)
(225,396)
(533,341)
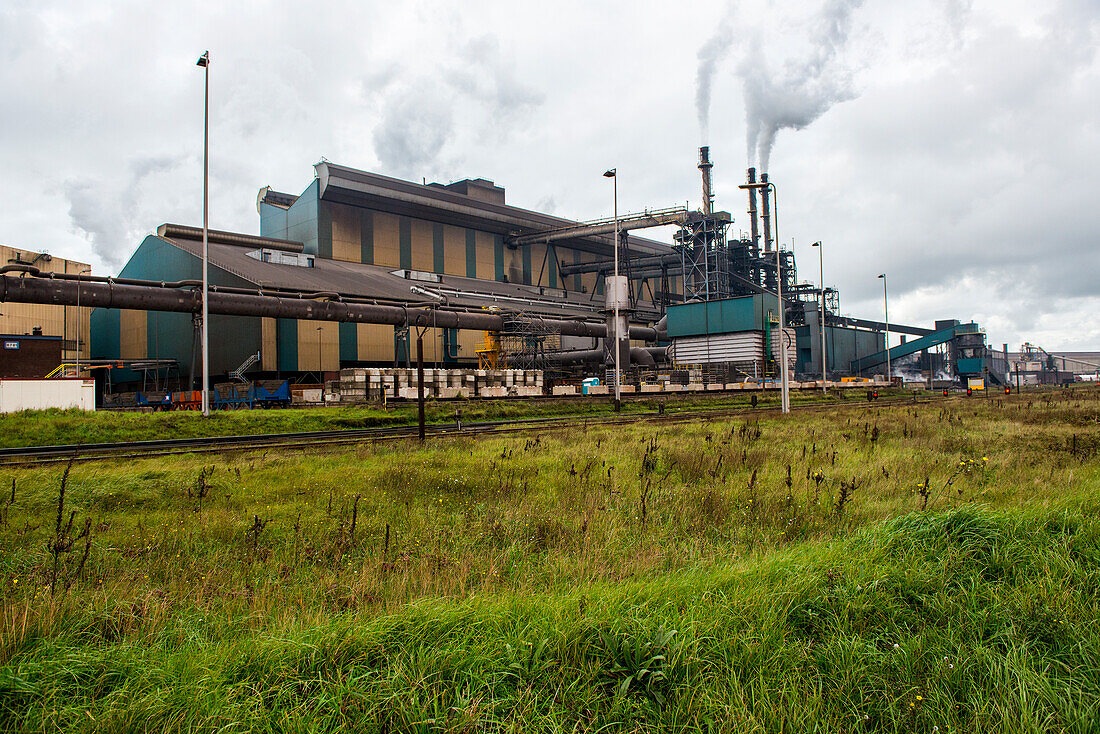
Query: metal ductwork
(59,290)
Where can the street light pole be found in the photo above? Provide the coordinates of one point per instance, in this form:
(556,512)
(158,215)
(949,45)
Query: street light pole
(204,62)
(785,380)
(821,276)
(613,175)
(886,314)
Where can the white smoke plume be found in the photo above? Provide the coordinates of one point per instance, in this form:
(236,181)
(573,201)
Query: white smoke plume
(710,53)
(113,215)
(804,90)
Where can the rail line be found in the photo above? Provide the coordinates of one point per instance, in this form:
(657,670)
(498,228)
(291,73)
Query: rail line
(39,455)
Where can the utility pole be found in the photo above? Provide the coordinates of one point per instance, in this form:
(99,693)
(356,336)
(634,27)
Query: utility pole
(821,277)
(613,175)
(886,315)
(204,62)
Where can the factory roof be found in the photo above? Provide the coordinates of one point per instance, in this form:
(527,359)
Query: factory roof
(474,203)
(240,256)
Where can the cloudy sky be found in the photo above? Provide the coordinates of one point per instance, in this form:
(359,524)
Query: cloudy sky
(954,145)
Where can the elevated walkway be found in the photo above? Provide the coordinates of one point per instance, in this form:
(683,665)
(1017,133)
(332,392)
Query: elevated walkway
(911,347)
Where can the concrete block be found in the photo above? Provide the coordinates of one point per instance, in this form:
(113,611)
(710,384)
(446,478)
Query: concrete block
(564,390)
(626,390)
(693,387)
(493,392)
(673,387)
(716,386)
(447,392)
(598,389)
(651,388)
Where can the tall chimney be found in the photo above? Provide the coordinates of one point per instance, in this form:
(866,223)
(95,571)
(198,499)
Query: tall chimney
(754,224)
(705,165)
(766,213)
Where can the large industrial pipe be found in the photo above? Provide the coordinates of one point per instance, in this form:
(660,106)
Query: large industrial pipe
(754,224)
(645,356)
(597,266)
(109,294)
(642,356)
(594,230)
(765,213)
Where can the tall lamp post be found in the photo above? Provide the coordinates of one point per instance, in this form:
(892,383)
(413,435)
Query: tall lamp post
(204,62)
(886,314)
(613,175)
(785,383)
(821,276)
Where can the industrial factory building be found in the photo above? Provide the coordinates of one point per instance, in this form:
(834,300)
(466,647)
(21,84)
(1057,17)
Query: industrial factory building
(38,337)
(485,283)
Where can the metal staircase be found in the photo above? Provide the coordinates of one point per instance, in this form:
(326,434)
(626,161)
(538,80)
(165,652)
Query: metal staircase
(238,374)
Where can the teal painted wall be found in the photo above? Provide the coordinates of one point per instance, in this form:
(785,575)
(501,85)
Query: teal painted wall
(404,243)
(349,343)
(525,253)
(366,236)
(747,313)
(471,253)
(302,219)
(286,339)
(324,230)
(105,342)
(437,248)
(498,258)
(170,335)
(272,221)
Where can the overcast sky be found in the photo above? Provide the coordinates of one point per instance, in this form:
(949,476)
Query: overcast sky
(953,145)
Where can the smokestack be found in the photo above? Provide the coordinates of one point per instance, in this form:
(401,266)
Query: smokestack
(705,165)
(754,224)
(766,213)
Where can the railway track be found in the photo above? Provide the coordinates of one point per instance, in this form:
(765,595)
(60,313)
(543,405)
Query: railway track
(39,455)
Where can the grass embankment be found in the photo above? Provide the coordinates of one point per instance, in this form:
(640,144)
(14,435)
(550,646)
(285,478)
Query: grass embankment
(64,427)
(894,569)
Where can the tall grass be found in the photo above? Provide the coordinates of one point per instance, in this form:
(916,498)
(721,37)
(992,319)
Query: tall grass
(746,575)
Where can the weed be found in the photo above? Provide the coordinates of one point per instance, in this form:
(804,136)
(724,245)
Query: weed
(638,663)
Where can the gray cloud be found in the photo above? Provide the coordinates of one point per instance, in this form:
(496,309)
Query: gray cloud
(478,98)
(416,124)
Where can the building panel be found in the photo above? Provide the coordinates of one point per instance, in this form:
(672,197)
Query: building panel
(486,260)
(375,343)
(346,238)
(454,250)
(387,239)
(269,346)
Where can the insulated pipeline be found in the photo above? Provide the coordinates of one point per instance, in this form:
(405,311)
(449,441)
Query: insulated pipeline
(111,294)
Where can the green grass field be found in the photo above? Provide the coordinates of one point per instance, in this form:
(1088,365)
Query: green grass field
(931,567)
(55,427)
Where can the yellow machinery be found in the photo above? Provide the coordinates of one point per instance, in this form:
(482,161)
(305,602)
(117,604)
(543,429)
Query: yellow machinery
(488,352)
